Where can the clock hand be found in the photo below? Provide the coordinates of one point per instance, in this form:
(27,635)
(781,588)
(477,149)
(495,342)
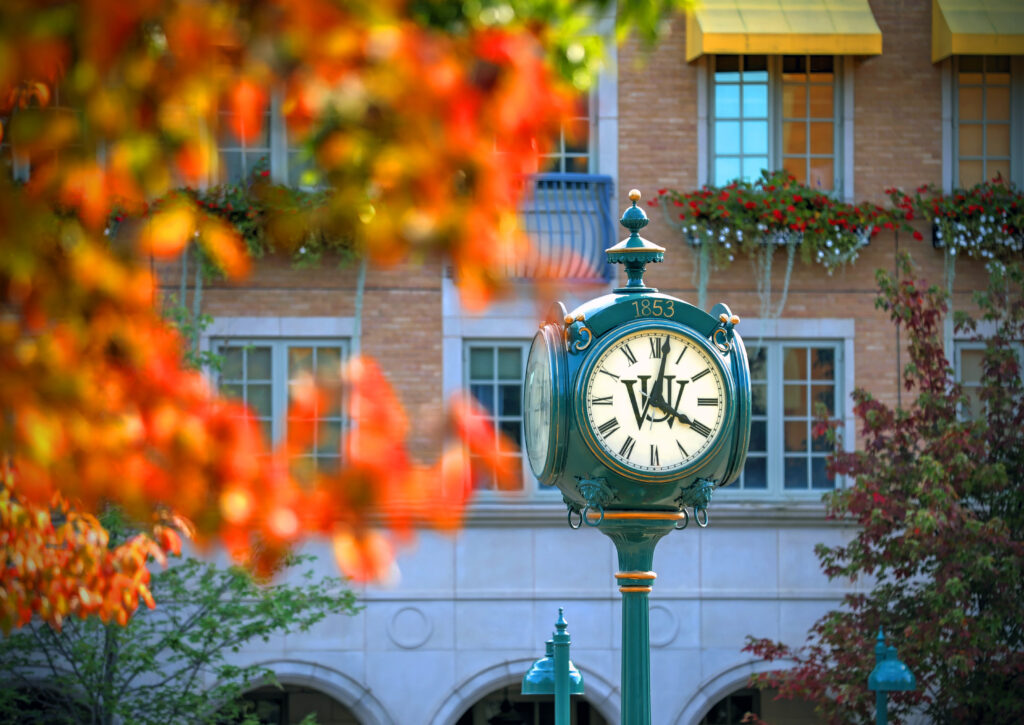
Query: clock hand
(656,391)
(659,403)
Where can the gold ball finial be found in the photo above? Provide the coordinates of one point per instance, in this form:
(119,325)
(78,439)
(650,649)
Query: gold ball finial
(634,195)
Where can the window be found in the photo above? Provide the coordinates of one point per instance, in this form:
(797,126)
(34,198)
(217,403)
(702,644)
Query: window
(733,709)
(772,112)
(273,151)
(983,122)
(789,380)
(495,380)
(969,364)
(571,150)
(263,374)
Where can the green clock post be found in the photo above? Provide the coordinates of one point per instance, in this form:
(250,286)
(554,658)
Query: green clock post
(637,407)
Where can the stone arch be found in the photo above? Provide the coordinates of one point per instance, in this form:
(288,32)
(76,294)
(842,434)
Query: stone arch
(346,690)
(600,693)
(718,686)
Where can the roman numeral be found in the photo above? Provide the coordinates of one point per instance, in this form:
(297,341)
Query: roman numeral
(682,450)
(608,427)
(699,375)
(609,374)
(629,354)
(707,401)
(655,346)
(699,427)
(627,448)
(606,400)
(654,455)
(681,355)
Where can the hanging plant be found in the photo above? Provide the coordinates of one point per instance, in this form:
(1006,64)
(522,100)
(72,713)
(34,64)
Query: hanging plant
(755,218)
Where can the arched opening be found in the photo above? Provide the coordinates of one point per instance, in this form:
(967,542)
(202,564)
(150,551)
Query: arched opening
(291,704)
(506,706)
(734,707)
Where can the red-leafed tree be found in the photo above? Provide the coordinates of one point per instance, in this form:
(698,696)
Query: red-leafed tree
(112,106)
(937,493)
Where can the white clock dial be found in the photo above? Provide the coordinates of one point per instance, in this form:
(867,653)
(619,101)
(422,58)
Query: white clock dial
(655,400)
(537,409)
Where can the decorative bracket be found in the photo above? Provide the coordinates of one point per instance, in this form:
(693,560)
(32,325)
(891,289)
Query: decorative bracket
(723,333)
(597,494)
(577,335)
(697,496)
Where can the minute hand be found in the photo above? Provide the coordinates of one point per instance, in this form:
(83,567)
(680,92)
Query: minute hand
(659,402)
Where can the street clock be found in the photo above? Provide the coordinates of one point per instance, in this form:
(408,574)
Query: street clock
(637,401)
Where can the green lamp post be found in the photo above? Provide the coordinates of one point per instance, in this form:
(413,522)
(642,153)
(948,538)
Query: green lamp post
(637,406)
(554,673)
(889,675)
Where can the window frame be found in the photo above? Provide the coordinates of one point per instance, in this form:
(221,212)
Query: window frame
(960,345)
(842,141)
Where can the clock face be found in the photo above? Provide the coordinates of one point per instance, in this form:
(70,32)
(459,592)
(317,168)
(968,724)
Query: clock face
(655,400)
(537,404)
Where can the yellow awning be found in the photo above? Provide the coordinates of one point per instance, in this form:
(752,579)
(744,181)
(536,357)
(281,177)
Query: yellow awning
(776,27)
(977,27)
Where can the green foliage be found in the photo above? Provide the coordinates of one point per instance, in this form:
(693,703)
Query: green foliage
(938,500)
(168,665)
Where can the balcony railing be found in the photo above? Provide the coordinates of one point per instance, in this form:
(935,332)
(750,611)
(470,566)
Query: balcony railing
(569,219)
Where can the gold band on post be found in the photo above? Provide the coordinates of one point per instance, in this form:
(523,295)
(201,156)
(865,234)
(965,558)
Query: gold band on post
(635,589)
(643,515)
(636,575)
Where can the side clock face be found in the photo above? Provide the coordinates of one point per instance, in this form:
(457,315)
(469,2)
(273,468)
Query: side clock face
(537,408)
(655,401)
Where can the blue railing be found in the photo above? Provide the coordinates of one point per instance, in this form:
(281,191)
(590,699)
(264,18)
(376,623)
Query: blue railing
(569,219)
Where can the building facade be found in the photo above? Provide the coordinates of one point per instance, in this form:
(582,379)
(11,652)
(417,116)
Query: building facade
(853,99)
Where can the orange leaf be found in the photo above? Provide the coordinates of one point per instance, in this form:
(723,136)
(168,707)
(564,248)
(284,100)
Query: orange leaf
(168,231)
(248,103)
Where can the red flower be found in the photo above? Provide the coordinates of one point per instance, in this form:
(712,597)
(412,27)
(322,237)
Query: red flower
(662,192)
(777,213)
(264,173)
(750,205)
(797,198)
(918,236)
(790,208)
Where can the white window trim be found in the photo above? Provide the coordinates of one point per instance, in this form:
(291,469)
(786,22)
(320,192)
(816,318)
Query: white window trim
(844,118)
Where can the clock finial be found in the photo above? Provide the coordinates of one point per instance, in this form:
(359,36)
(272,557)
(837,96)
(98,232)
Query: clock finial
(635,252)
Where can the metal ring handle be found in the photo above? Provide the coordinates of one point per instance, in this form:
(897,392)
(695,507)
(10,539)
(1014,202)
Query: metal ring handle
(685,521)
(586,519)
(579,345)
(578,523)
(724,346)
(696,514)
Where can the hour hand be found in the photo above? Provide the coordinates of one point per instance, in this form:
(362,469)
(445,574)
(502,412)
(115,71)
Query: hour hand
(661,404)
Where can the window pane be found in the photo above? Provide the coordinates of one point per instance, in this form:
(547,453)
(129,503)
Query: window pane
(822,66)
(512,430)
(510,395)
(484,395)
(727,137)
(971,63)
(755,473)
(259,400)
(975,406)
(794,101)
(755,101)
(753,165)
(328,363)
(795,400)
(577,164)
(755,68)
(794,67)
(969,104)
(794,363)
(998,138)
(819,476)
(231,369)
(971,365)
(820,443)
(510,366)
(258,363)
(795,473)
(997,168)
(822,174)
(758,356)
(727,67)
(823,362)
(481,363)
(822,137)
(823,395)
(726,169)
(231,167)
(821,101)
(759,398)
(232,391)
(796,166)
(727,101)
(970,140)
(755,137)
(795,436)
(300,360)
(329,438)
(577,136)
(997,104)
(255,159)
(971,173)
(758,436)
